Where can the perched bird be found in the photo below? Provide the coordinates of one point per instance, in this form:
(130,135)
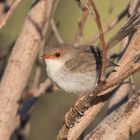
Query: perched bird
(76,69)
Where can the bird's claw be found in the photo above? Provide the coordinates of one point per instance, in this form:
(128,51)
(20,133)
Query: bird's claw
(69,123)
(87,106)
(81,113)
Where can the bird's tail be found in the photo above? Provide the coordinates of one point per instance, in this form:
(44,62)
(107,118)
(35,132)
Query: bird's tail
(130,26)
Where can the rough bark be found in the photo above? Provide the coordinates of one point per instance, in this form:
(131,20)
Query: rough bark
(20,63)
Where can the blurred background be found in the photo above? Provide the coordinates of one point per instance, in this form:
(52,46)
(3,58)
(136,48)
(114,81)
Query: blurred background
(48,112)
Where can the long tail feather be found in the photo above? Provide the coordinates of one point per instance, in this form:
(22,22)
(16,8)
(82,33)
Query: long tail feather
(129,27)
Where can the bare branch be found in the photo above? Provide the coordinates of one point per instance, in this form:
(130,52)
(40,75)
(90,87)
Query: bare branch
(81,26)
(109,26)
(38,91)
(134,6)
(92,8)
(20,63)
(114,123)
(56,32)
(9,13)
(121,95)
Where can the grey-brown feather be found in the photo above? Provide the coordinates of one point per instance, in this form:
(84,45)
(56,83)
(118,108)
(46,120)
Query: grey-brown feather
(130,26)
(85,60)
(78,71)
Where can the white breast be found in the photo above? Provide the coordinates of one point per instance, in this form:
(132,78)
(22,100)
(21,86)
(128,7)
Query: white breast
(53,67)
(70,82)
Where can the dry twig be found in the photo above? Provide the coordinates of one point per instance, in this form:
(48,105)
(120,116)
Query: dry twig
(134,6)
(114,123)
(81,26)
(9,13)
(90,5)
(92,8)
(108,27)
(56,32)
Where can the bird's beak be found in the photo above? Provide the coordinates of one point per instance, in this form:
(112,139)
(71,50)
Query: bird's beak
(46,56)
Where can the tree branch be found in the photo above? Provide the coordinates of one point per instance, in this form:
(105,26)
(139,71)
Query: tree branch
(110,26)
(56,32)
(81,26)
(20,64)
(92,8)
(5,17)
(121,95)
(114,123)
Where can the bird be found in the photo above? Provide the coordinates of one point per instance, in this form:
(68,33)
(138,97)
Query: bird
(76,69)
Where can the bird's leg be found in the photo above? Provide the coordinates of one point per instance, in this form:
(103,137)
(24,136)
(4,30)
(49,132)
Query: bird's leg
(76,112)
(86,106)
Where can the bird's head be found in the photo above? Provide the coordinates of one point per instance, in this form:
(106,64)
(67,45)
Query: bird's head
(60,52)
(57,55)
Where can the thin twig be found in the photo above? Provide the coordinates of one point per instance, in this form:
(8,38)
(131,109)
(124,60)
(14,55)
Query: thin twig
(81,26)
(92,8)
(9,13)
(108,27)
(38,91)
(56,32)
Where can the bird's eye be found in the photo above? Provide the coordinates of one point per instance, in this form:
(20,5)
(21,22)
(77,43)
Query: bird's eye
(57,54)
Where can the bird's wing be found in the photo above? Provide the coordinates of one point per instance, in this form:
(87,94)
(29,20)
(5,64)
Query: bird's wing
(84,61)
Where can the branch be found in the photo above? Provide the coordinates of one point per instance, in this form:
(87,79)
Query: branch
(109,26)
(121,95)
(134,6)
(127,66)
(56,32)
(92,8)
(9,13)
(38,91)
(114,123)
(81,26)
(20,64)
